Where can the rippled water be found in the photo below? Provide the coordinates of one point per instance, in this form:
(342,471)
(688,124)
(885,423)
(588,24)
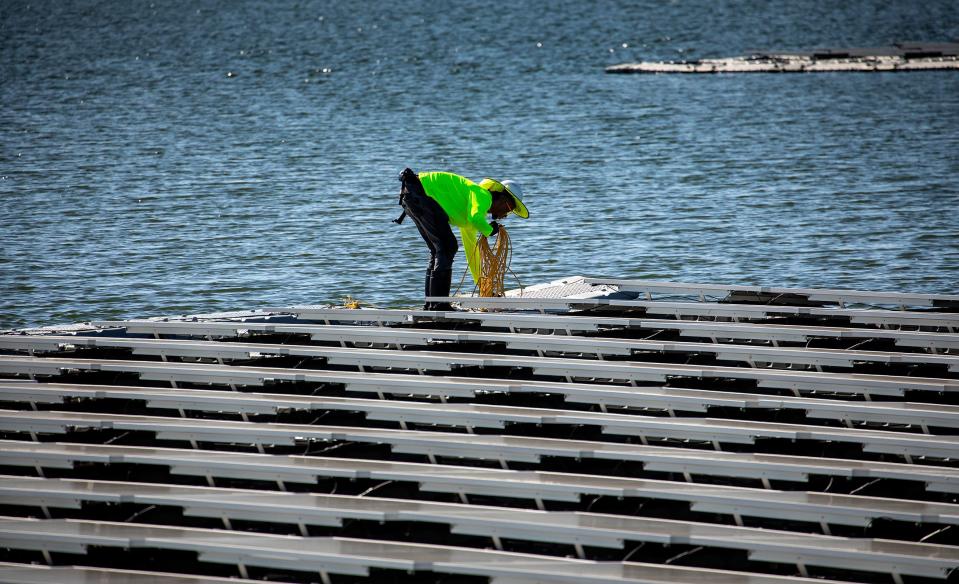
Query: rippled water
(170,157)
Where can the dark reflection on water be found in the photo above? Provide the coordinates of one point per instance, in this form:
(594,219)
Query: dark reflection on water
(194,156)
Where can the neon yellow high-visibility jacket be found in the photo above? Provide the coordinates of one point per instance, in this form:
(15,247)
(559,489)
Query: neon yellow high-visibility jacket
(466,204)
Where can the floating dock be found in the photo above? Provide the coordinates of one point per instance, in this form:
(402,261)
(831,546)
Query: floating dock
(588,431)
(901,57)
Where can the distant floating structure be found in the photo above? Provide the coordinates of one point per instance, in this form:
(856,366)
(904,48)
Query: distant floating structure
(899,57)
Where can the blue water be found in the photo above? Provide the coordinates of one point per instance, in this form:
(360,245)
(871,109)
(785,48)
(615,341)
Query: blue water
(175,157)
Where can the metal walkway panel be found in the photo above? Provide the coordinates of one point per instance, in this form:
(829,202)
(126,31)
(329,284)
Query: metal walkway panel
(798,333)
(225,464)
(659,398)
(621,572)
(500,320)
(157,397)
(467,415)
(887,412)
(840,297)
(692,400)
(426,337)
(354,557)
(761,544)
(540,573)
(633,372)
(246,376)
(35,574)
(382,317)
(711,309)
(351,556)
(321,554)
(712,430)
(699,400)
(218,328)
(568,324)
(612,346)
(518,484)
(216,350)
(480,446)
(331,510)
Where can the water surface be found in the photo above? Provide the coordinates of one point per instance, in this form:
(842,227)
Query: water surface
(179,157)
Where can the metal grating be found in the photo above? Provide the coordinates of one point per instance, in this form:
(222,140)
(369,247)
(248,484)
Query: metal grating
(574,287)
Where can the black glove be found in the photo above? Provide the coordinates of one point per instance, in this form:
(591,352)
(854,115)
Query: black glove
(495,227)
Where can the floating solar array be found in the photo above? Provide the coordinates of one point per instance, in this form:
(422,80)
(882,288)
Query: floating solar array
(591,430)
(900,57)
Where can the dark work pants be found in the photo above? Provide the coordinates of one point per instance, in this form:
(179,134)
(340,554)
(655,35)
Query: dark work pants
(434,227)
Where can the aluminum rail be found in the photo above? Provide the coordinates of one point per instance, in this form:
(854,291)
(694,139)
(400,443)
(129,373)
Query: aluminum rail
(668,399)
(354,556)
(840,297)
(601,573)
(751,355)
(11,573)
(570,324)
(468,416)
(946,320)
(535,485)
(709,430)
(319,554)
(866,385)
(305,509)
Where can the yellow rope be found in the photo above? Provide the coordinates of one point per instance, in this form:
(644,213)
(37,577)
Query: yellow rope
(493,264)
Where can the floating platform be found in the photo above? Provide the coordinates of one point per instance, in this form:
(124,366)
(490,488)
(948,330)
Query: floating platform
(589,430)
(901,57)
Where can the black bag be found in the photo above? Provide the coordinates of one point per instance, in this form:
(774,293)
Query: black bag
(411,187)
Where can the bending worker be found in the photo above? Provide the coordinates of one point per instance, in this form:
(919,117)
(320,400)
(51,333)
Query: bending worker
(436,200)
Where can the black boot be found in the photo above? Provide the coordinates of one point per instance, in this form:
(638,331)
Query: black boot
(426,289)
(440,282)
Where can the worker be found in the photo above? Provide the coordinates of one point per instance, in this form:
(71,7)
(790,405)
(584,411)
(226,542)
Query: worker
(436,200)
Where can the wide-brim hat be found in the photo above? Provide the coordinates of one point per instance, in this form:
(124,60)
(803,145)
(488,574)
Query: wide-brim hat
(513,189)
